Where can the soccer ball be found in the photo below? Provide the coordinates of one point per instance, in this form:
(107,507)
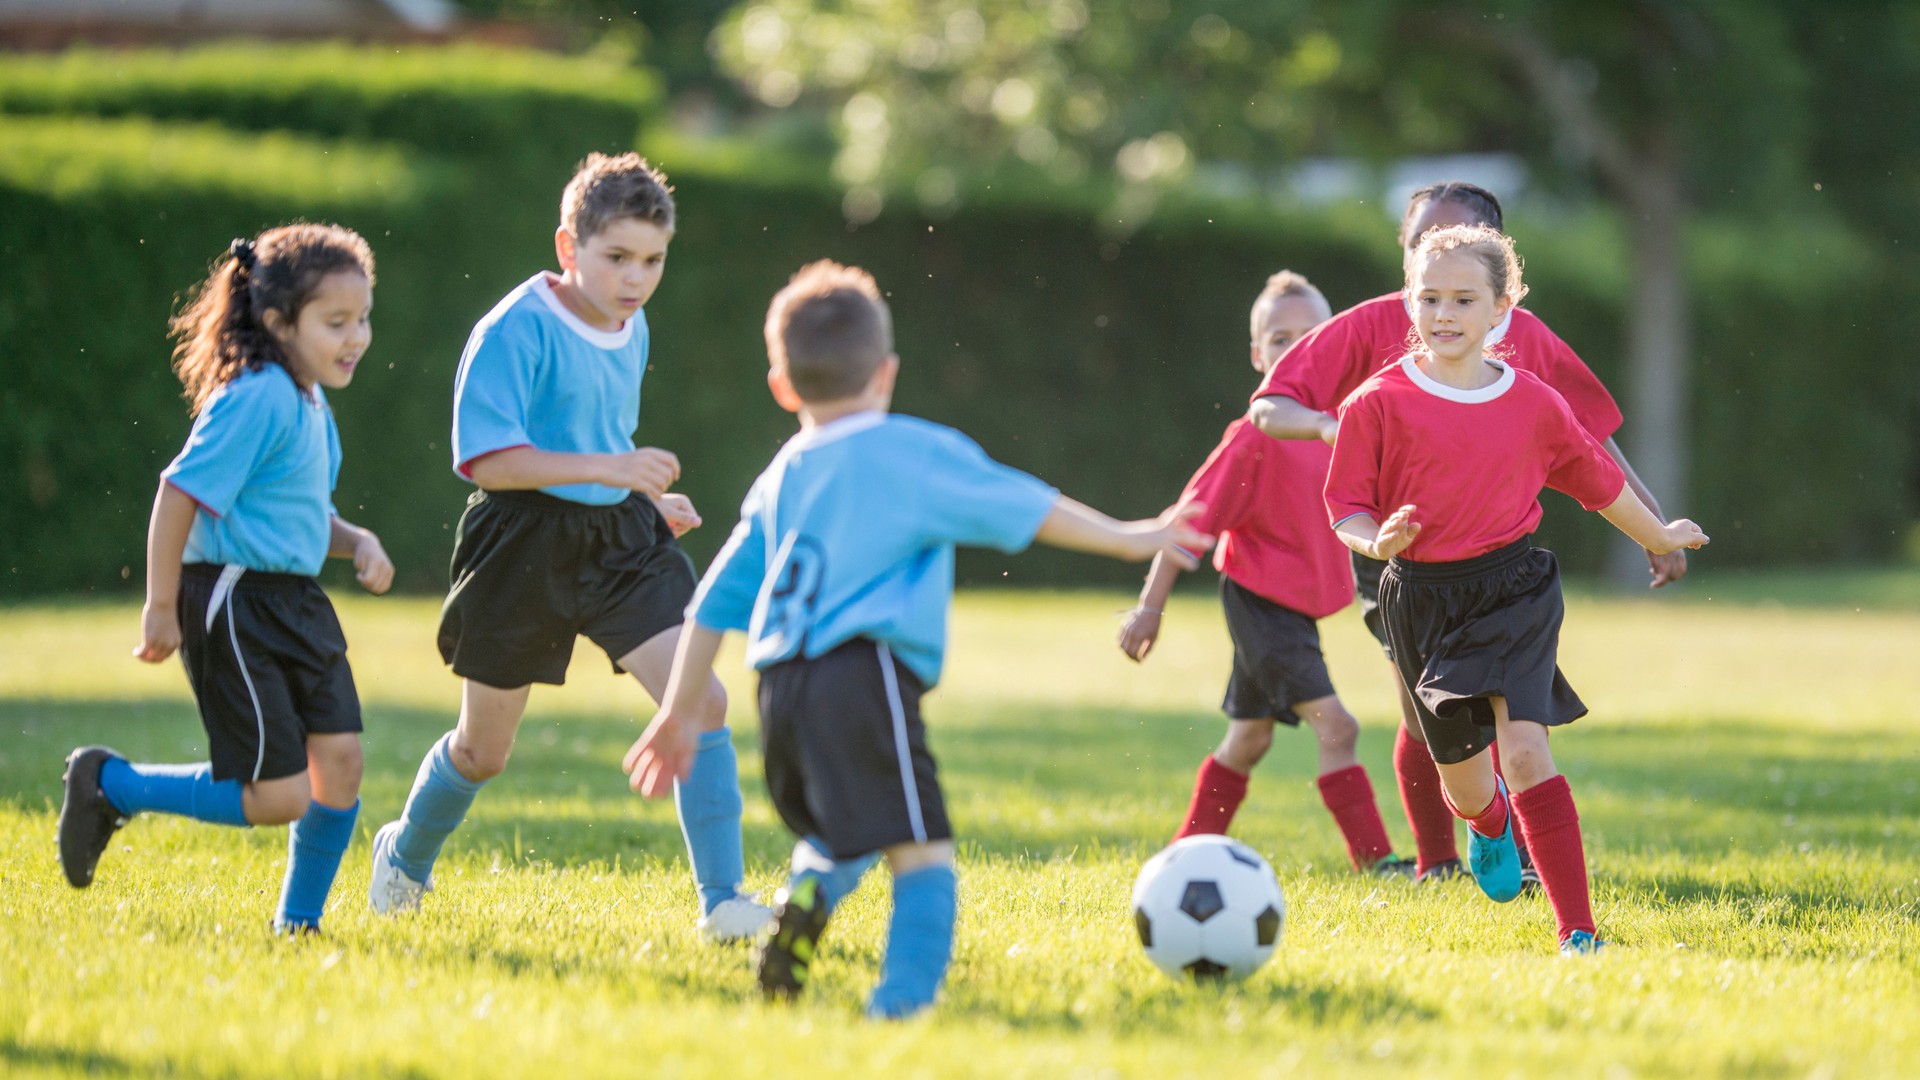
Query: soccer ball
(1208,908)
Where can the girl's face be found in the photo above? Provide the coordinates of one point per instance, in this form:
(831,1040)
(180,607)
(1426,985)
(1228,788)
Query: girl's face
(1454,305)
(613,274)
(1283,321)
(331,332)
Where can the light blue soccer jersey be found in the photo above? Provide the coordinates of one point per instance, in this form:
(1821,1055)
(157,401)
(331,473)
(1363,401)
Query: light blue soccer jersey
(850,533)
(261,461)
(535,374)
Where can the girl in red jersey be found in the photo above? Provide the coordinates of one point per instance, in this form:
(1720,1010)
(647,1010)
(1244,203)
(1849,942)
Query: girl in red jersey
(1298,397)
(1437,471)
(1279,572)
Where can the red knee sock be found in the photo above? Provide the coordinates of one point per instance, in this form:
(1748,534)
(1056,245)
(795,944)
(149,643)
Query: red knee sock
(1420,796)
(1490,822)
(1349,796)
(1552,826)
(1217,793)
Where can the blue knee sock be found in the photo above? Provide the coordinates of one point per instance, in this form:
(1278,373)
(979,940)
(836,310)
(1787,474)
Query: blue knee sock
(437,806)
(838,877)
(919,943)
(709,804)
(314,846)
(186,790)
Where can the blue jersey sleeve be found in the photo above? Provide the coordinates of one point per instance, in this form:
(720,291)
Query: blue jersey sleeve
(968,499)
(728,592)
(233,433)
(496,382)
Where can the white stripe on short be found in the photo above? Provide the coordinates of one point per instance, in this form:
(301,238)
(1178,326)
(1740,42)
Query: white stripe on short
(900,748)
(222,594)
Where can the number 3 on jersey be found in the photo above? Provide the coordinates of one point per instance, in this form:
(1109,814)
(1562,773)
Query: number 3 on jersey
(793,588)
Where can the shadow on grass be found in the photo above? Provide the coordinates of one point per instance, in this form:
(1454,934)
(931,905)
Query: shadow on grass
(17,1055)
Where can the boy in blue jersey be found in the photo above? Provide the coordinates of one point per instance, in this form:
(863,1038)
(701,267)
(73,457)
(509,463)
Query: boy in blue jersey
(840,572)
(572,532)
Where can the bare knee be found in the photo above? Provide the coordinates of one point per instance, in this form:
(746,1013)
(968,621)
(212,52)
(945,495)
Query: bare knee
(906,858)
(478,762)
(336,764)
(276,802)
(1337,730)
(713,707)
(1247,742)
(1525,759)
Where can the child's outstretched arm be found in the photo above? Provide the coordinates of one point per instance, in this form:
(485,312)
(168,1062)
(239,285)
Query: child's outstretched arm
(1079,527)
(1284,418)
(1142,626)
(648,470)
(1376,540)
(371,567)
(1631,516)
(664,752)
(167,530)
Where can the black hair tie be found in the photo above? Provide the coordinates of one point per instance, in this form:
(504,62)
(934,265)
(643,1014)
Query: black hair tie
(243,253)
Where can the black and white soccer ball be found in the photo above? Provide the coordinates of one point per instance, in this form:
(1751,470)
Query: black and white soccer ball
(1208,908)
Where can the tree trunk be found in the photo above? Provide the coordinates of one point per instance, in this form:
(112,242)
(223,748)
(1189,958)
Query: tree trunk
(1658,405)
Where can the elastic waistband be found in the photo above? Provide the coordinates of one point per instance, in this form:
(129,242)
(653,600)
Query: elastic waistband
(1497,559)
(263,579)
(541,502)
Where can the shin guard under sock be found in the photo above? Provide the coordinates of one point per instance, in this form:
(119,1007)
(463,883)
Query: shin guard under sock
(1420,795)
(1217,794)
(919,943)
(1349,797)
(315,844)
(184,790)
(1552,826)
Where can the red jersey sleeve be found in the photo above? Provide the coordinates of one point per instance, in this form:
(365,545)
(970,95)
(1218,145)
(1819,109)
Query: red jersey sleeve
(1561,368)
(1225,484)
(1323,367)
(1353,477)
(1580,466)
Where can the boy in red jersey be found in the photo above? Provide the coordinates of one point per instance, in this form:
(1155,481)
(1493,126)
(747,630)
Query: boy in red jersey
(1438,469)
(1296,402)
(1279,572)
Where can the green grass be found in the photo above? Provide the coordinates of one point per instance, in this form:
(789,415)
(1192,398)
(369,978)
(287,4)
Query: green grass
(1748,784)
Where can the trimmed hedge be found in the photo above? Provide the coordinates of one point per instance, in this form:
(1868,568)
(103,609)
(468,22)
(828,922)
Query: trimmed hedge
(1107,365)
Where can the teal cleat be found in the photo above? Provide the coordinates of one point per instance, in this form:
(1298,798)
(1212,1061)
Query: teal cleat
(1581,943)
(1496,862)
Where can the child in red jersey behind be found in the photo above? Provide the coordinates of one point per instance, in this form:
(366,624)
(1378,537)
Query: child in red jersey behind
(1279,572)
(1438,470)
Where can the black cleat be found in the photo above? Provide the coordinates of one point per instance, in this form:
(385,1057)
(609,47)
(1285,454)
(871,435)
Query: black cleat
(87,820)
(1394,866)
(787,952)
(1441,871)
(1530,881)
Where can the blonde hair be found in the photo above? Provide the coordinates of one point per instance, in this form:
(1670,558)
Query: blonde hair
(1286,283)
(1493,248)
(829,330)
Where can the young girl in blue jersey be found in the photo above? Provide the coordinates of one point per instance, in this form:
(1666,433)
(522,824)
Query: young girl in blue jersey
(242,523)
(840,572)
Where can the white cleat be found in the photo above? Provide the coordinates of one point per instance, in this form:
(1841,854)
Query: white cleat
(389,890)
(737,918)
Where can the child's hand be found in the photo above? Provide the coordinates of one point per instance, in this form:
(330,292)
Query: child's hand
(648,470)
(1138,633)
(679,513)
(1684,534)
(371,567)
(1666,568)
(1396,533)
(662,754)
(159,633)
(1173,537)
(1329,429)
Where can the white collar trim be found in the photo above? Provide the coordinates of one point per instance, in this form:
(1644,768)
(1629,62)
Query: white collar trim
(605,339)
(837,429)
(1465,397)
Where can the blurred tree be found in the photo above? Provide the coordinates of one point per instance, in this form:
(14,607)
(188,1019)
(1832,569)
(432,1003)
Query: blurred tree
(1663,108)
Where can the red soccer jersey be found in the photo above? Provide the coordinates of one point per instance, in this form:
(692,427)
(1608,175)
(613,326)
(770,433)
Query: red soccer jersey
(1262,499)
(1325,366)
(1472,461)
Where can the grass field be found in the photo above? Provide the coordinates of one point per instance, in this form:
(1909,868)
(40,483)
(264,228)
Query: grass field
(1749,782)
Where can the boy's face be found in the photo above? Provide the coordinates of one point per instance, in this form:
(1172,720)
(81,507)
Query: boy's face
(1279,323)
(1454,305)
(614,272)
(331,332)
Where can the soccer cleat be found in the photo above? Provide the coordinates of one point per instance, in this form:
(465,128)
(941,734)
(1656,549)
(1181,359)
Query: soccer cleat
(740,917)
(1581,943)
(1441,871)
(1530,881)
(389,890)
(1495,861)
(1394,866)
(787,952)
(292,931)
(87,820)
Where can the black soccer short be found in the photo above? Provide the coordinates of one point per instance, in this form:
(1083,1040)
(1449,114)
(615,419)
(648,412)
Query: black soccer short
(268,663)
(1277,662)
(1366,587)
(1465,632)
(845,751)
(531,572)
